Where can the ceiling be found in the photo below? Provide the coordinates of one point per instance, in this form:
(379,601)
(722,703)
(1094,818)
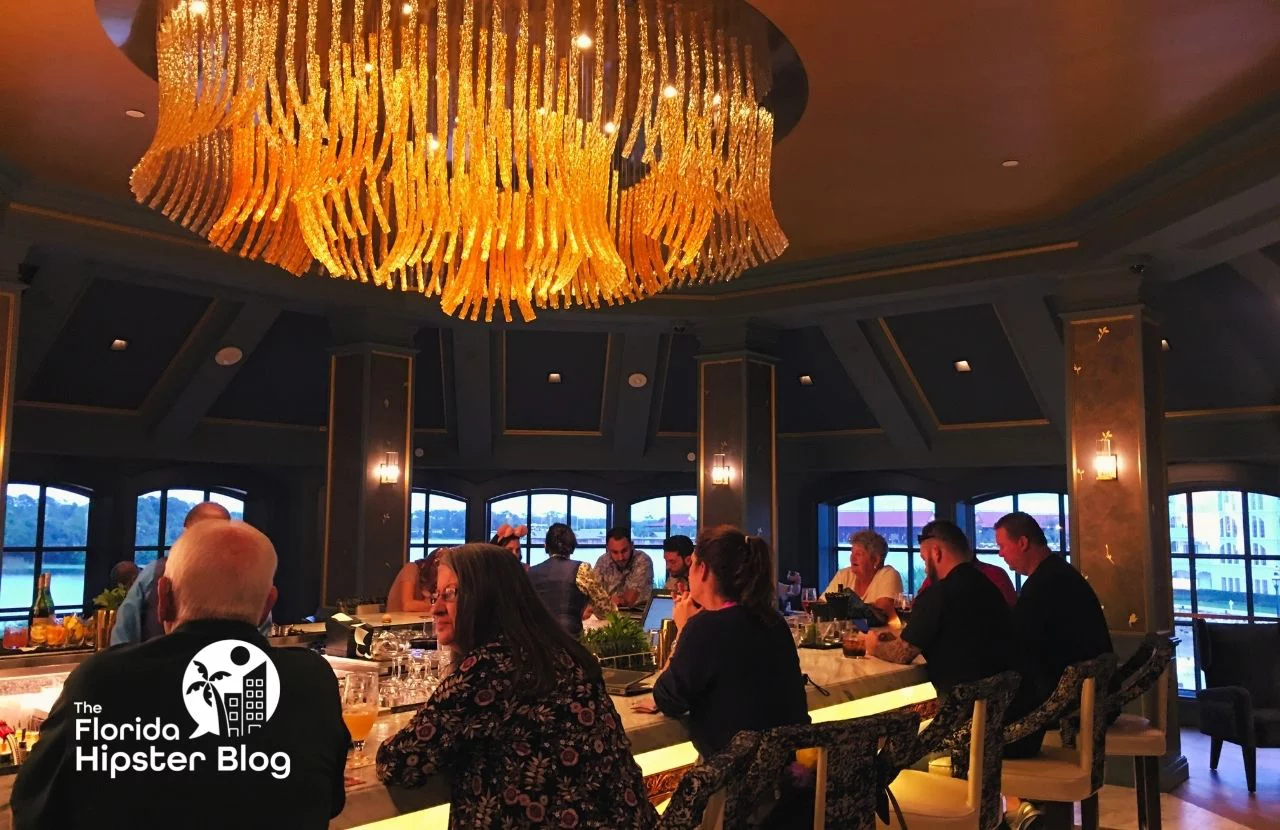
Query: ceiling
(912,106)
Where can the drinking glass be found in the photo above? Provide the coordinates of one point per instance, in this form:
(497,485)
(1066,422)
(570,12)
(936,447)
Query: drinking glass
(808,596)
(903,606)
(359,711)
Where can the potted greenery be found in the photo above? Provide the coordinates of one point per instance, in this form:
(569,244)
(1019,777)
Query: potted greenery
(107,603)
(620,643)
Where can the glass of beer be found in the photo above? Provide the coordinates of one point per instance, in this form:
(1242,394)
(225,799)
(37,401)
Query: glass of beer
(359,711)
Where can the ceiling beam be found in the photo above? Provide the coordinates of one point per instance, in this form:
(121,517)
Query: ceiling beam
(194,382)
(868,373)
(634,408)
(1261,270)
(1033,335)
(473,393)
(47,305)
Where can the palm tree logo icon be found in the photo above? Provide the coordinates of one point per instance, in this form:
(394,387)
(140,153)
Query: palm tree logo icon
(230,688)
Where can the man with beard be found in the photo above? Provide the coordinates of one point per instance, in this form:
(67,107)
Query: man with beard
(962,626)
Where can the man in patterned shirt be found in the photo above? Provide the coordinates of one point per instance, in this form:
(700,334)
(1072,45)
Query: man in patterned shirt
(624,572)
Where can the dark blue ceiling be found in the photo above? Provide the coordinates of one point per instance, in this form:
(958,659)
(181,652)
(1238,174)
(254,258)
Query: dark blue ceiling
(996,389)
(574,404)
(81,369)
(286,379)
(832,402)
(680,392)
(429,395)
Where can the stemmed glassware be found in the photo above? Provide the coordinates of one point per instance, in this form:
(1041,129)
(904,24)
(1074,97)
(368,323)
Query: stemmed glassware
(359,710)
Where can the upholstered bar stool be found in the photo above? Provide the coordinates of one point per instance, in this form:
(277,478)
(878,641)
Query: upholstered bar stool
(1059,774)
(699,799)
(969,725)
(850,776)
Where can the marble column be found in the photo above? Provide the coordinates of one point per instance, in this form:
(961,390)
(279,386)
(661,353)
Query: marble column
(366,522)
(1119,517)
(737,418)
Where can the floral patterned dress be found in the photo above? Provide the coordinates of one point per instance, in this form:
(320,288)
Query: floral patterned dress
(560,760)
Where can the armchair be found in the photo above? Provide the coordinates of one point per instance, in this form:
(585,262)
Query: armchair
(1241,701)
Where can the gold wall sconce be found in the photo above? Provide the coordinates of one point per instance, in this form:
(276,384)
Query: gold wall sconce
(389,468)
(720,472)
(1106,466)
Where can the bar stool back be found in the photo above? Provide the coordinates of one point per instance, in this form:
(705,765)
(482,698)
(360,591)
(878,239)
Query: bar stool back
(699,799)
(851,774)
(969,725)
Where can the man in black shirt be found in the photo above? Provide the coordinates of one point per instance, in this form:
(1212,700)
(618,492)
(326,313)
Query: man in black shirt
(207,726)
(1058,620)
(962,625)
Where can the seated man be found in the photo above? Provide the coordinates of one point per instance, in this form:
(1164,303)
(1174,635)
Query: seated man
(1057,620)
(261,746)
(963,627)
(998,576)
(136,619)
(625,573)
(676,551)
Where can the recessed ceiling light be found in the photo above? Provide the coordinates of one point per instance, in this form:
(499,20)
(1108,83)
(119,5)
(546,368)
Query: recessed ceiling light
(962,366)
(553,377)
(1164,345)
(806,380)
(670,91)
(582,41)
(228,356)
(119,345)
(1009,163)
(407,8)
(637,380)
(135,113)
(198,7)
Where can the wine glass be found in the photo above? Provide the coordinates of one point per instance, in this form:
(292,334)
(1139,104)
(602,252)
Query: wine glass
(903,606)
(808,596)
(359,711)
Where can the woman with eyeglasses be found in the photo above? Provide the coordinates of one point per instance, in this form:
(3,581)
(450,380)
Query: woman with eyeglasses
(522,724)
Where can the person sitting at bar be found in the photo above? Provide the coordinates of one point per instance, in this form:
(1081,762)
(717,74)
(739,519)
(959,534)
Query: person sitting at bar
(868,576)
(734,665)
(509,537)
(998,576)
(566,587)
(523,725)
(136,618)
(963,626)
(676,551)
(123,573)
(413,586)
(1057,620)
(217,587)
(625,573)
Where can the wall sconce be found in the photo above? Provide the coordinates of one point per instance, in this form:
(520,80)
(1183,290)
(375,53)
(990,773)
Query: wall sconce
(1105,464)
(389,469)
(719,470)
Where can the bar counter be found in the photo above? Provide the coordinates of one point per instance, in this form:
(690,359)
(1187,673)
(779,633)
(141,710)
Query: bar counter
(660,744)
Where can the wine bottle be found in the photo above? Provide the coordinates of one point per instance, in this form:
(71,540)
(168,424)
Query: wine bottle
(41,610)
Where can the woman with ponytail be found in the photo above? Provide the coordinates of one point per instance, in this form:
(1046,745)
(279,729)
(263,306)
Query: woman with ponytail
(735,666)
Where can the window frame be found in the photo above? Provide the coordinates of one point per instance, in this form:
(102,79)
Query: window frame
(160,548)
(837,553)
(39,549)
(1248,532)
(427,545)
(526,544)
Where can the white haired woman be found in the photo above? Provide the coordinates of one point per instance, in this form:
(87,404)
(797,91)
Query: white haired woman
(867,575)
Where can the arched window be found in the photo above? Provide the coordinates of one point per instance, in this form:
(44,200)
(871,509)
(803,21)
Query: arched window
(1232,580)
(46,530)
(588,515)
(436,520)
(898,518)
(653,520)
(160,515)
(1050,510)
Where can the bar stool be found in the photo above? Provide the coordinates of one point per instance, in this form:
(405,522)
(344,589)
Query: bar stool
(699,799)
(969,725)
(1060,774)
(852,775)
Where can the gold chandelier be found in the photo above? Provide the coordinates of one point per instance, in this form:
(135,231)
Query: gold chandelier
(541,153)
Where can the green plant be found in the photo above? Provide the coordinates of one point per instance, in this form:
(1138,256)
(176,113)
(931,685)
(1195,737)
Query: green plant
(111,598)
(619,635)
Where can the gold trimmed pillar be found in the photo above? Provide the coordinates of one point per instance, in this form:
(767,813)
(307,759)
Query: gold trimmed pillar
(10,305)
(366,516)
(737,388)
(1118,482)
